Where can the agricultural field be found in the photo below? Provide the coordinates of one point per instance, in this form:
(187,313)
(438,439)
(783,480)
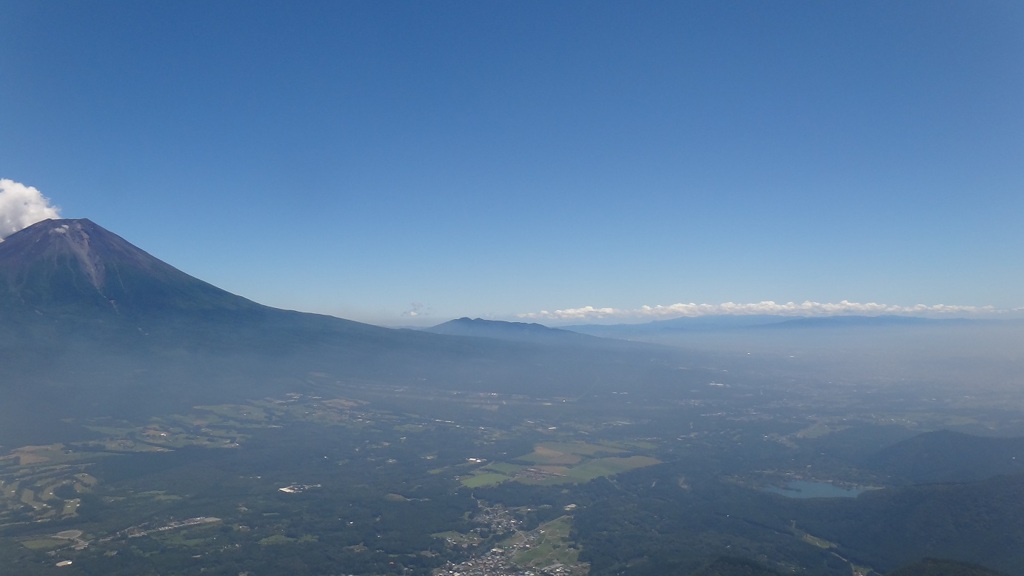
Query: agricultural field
(549,545)
(559,463)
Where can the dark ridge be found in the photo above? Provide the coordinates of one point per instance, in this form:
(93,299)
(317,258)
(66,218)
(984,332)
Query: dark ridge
(947,456)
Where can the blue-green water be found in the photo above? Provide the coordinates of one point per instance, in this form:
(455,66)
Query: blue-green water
(807,489)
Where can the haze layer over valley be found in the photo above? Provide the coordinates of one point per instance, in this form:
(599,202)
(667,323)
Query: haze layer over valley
(155,424)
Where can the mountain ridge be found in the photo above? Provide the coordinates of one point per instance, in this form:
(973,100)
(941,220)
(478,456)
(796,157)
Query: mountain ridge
(764,322)
(943,456)
(512,331)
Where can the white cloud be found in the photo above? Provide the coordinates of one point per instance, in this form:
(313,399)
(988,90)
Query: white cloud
(583,313)
(21,206)
(806,308)
(415,310)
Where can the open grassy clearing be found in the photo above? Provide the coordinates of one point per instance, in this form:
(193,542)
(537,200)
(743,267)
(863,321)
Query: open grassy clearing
(558,463)
(458,538)
(812,539)
(10,489)
(44,543)
(582,448)
(567,453)
(278,539)
(37,455)
(609,467)
(190,537)
(506,468)
(544,455)
(484,479)
(636,445)
(158,436)
(549,545)
(71,507)
(158,495)
(229,412)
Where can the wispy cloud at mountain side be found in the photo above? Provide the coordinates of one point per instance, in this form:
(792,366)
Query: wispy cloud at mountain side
(22,206)
(806,308)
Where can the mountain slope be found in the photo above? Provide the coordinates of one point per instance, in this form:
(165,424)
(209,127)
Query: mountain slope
(975,522)
(947,456)
(56,266)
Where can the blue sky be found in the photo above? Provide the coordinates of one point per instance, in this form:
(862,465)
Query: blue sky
(507,160)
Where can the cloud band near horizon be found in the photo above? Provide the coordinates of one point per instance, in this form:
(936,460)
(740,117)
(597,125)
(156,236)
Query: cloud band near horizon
(806,308)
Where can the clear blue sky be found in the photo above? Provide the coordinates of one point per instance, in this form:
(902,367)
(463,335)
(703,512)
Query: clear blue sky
(369,159)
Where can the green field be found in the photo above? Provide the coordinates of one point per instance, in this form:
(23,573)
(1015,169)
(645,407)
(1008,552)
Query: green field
(551,545)
(565,453)
(504,468)
(558,463)
(609,466)
(485,479)
(44,543)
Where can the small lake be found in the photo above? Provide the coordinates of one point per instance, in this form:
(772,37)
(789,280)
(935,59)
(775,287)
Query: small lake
(807,489)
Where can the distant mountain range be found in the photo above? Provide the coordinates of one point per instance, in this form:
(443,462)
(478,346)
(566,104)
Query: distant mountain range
(724,323)
(513,331)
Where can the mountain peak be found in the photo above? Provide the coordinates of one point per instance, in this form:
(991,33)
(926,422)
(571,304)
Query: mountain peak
(76,264)
(75,235)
